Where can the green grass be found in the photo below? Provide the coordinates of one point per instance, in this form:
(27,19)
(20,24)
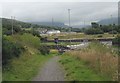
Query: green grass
(25,39)
(61,43)
(24,68)
(27,29)
(78,35)
(30,61)
(76,70)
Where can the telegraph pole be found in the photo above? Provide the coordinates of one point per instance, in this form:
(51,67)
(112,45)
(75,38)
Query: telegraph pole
(84,23)
(112,23)
(52,22)
(12,24)
(14,18)
(69,22)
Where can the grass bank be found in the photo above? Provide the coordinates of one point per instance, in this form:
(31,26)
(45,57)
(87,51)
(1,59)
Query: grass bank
(76,70)
(25,67)
(97,57)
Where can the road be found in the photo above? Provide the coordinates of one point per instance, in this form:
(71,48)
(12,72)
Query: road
(51,71)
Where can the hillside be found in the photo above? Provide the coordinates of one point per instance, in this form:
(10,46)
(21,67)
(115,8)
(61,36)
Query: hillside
(18,25)
(109,21)
(25,66)
(6,22)
(57,24)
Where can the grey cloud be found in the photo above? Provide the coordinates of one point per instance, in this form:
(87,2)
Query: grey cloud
(45,11)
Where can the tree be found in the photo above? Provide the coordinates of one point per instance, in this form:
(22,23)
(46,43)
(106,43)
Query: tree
(93,31)
(94,25)
(44,49)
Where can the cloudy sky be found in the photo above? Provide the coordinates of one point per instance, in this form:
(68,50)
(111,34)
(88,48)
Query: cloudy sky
(39,11)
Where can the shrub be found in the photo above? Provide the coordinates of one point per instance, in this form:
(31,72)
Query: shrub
(100,36)
(36,33)
(44,49)
(116,41)
(8,32)
(43,39)
(10,50)
(113,32)
(93,31)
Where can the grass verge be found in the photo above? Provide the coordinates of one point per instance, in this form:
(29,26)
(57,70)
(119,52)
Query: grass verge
(24,68)
(76,70)
(100,58)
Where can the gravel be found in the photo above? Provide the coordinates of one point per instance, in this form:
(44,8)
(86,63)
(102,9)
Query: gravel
(51,71)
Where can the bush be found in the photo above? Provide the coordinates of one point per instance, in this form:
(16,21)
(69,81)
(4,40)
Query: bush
(36,33)
(93,31)
(43,39)
(10,50)
(44,49)
(113,32)
(116,41)
(8,32)
(100,36)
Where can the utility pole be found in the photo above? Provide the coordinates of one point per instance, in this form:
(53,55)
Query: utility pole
(14,21)
(85,39)
(14,18)
(12,24)
(69,22)
(112,23)
(84,23)
(69,16)
(52,22)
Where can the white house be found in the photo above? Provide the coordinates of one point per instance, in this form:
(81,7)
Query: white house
(53,32)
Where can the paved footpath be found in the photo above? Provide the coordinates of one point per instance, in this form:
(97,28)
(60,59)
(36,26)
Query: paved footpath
(51,71)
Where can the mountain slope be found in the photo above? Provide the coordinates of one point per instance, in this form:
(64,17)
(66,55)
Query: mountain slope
(57,24)
(109,21)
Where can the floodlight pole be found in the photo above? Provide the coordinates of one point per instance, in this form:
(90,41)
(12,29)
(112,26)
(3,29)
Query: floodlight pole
(69,16)
(69,22)
(52,22)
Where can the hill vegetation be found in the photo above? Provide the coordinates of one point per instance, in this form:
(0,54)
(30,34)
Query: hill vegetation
(19,26)
(21,57)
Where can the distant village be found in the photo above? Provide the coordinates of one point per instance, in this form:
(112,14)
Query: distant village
(51,32)
(43,31)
